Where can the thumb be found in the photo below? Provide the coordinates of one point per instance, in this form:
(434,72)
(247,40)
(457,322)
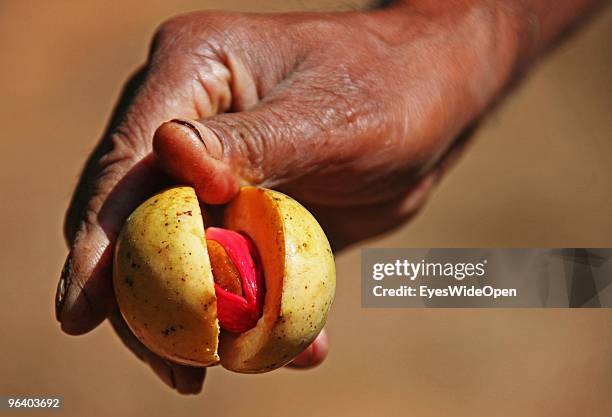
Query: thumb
(278,141)
(191,153)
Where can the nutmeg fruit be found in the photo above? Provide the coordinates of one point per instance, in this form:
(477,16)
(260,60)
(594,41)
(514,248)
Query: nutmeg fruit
(251,294)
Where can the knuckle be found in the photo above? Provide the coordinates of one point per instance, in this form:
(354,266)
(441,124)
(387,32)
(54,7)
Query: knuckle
(212,34)
(175,36)
(171,28)
(191,46)
(187,32)
(110,168)
(114,156)
(121,151)
(133,135)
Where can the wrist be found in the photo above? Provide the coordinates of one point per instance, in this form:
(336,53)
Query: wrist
(491,40)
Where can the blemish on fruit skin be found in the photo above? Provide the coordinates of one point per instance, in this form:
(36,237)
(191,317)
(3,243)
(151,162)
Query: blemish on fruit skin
(169,330)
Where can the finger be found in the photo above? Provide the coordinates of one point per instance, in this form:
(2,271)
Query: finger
(185,379)
(314,354)
(85,296)
(119,175)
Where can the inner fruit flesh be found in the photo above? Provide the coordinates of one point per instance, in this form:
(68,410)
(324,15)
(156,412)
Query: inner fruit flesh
(238,276)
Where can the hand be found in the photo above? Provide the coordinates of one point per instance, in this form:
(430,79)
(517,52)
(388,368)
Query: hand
(354,114)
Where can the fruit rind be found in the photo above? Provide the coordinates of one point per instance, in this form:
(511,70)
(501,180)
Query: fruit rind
(163,280)
(300,280)
(165,289)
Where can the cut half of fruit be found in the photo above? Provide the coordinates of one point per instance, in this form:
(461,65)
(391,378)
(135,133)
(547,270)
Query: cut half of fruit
(271,283)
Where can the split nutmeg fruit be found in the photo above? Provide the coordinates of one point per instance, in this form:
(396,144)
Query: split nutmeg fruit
(251,295)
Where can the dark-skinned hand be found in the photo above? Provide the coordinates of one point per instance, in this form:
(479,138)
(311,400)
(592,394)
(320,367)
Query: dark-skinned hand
(356,115)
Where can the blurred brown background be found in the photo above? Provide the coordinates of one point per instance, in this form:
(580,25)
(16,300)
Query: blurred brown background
(538,175)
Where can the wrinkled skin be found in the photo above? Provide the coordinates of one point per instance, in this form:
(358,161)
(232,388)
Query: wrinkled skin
(356,115)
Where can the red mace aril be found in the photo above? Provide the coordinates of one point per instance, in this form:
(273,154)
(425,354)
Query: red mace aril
(238,276)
